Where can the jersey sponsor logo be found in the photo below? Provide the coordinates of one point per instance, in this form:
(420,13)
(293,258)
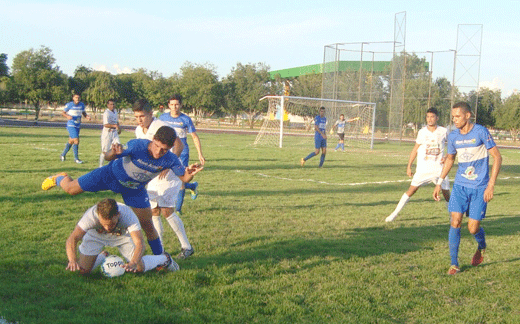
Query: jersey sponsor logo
(130,184)
(469,173)
(465,142)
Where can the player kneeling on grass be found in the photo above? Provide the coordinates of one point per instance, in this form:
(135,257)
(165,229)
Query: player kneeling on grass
(112,224)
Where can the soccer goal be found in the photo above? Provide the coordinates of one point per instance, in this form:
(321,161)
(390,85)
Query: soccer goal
(297,119)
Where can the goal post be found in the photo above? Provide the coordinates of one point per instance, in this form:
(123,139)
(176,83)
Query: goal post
(297,119)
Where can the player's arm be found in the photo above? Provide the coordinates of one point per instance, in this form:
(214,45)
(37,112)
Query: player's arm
(196,141)
(316,128)
(84,113)
(413,155)
(137,238)
(64,114)
(70,246)
(448,164)
(352,119)
(190,172)
(495,169)
(114,151)
(177,147)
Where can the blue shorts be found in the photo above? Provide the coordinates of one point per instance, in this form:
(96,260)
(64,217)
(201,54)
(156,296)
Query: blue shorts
(73,131)
(185,157)
(465,199)
(319,142)
(104,179)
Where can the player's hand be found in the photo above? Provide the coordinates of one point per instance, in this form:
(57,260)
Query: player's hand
(436,193)
(488,193)
(119,130)
(443,159)
(88,117)
(73,266)
(163,174)
(409,172)
(194,169)
(130,267)
(202,159)
(117,148)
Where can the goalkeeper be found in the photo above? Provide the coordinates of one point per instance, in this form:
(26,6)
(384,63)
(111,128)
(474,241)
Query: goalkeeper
(339,125)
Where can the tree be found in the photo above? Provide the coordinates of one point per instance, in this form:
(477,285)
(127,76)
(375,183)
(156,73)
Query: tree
(307,86)
(201,89)
(103,86)
(36,78)
(487,101)
(508,115)
(4,69)
(247,84)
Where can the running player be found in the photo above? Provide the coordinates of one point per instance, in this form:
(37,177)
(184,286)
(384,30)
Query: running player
(111,130)
(429,151)
(320,138)
(73,112)
(109,223)
(474,186)
(163,189)
(183,125)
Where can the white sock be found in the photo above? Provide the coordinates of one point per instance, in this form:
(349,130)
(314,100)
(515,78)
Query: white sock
(178,227)
(404,199)
(157,223)
(101,159)
(100,259)
(151,262)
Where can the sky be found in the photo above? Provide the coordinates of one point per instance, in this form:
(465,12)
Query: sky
(120,36)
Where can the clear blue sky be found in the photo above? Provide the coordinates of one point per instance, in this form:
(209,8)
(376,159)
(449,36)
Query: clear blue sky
(119,36)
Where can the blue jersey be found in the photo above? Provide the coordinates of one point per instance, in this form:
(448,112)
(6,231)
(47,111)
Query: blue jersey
(473,157)
(183,125)
(321,122)
(75,111)
(135,167)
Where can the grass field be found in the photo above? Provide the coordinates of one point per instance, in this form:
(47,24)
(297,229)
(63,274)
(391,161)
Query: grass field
(275,243)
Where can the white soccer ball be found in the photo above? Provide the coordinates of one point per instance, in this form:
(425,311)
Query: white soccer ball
(112,266)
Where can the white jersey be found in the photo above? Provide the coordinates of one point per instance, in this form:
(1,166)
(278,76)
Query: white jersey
(431,149)
(162,192)
(109,135)
(128,221)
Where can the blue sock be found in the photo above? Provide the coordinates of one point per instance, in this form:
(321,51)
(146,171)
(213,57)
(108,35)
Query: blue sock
(180,200)
(322,159)
(454,239)
(58,180)
(75,150)
(309,156)
(156,246)
(338,146)
(480,237)
(190,185)
(67,148)
(343,146)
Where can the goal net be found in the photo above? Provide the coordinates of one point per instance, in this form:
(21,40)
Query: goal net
(296,120)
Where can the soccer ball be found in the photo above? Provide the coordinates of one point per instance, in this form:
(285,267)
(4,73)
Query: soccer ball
(112,266)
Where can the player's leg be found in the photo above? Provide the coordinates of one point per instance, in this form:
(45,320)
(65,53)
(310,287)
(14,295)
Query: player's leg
(177,226)
(323,153)
(72,134)
(91,253)
(145,218)
(477,212)
(458,205)
(405,198)
(156,220)
(317,146)
(75,149)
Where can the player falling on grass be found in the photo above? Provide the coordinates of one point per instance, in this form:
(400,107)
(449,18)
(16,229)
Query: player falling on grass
(111,130)
(183,125)
(339,126)
(128,173)
(429,151)
(73,112)
(320,138)
(473,187)
(163,190)
(109,223)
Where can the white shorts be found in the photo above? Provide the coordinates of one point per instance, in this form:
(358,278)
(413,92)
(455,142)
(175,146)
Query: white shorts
(164,192)
(421,179)
(108,136)
(93,243)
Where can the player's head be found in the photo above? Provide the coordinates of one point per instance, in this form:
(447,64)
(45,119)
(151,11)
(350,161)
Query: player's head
(111,104)
(342,117)
(461,114)
(322,111)
(143,113)
(175,104)
(76,98)
(432,116)
(163,141)
(108,213)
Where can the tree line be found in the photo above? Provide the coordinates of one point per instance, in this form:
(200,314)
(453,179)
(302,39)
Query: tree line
(35,78)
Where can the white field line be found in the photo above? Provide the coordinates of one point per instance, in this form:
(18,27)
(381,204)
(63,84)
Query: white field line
(344,184)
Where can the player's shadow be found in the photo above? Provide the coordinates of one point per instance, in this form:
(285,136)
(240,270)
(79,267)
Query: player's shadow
(357,243)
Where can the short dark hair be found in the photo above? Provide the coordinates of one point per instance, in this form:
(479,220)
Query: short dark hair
(322,108)
(433,111)
(141,105)
(463,105)
(165,135)
(107,208)
(109,100)
(177,97)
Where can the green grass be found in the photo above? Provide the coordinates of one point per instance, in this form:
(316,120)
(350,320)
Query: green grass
(275,243)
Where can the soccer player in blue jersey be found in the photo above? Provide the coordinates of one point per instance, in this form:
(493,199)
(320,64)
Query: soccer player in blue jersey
(73,112)
(183,125)
(320,138)
(474,185)
(128,173)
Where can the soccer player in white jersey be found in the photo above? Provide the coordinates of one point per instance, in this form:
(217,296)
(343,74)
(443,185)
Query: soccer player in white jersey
(429,151)
(163,189)
(473,187)
(109,223)
(111,130)
(73,112)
